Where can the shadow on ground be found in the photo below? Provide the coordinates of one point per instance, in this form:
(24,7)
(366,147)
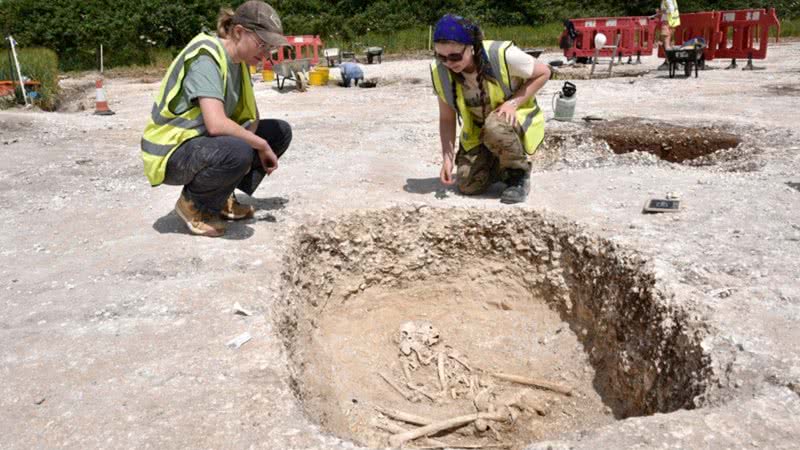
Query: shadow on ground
(264,204)
(171,223)
(427,186)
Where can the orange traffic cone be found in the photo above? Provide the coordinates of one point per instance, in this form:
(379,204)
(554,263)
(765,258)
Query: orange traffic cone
(101,105)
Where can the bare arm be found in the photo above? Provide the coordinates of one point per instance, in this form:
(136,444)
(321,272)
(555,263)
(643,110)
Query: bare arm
(447,136)
(218,124)
(539,76)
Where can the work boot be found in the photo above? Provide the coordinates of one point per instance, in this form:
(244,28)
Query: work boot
(200,223)
(519,184)
(234,210)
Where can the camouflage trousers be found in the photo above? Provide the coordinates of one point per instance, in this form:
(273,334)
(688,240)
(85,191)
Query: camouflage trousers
(501,149)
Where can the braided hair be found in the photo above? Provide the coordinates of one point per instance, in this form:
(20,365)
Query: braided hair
(481,64)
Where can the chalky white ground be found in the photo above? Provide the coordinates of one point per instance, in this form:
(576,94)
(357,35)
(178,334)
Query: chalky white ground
(114,320)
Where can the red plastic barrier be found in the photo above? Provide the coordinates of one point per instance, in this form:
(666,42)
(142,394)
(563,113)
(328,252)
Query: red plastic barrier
(740,30)
(644,31)
(635,36)
(306,46)
(728,34)
(701,24)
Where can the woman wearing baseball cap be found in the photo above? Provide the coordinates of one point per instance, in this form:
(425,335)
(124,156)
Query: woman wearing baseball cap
(205,132)
(490,88)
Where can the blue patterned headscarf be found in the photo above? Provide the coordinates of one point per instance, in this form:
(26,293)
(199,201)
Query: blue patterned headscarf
(452,28)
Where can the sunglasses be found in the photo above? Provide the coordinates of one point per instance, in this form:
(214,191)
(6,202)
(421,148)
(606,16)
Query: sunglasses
(452,57)
(262,46)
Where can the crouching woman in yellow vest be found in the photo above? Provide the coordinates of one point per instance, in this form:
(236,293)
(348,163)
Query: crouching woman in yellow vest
(204,131)
(489,86)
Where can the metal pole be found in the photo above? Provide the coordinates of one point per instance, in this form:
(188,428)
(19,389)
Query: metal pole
(614,55)
(430,35)
(19,72)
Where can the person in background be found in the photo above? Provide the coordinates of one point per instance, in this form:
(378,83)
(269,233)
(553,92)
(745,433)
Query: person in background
(670,19)
(351,72)
(490,87)
(205,132)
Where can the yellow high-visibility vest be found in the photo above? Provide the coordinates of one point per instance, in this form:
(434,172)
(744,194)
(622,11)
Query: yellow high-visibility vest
(529,116)
(166,131)
(673,17)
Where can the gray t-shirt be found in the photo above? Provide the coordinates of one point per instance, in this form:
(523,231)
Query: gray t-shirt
(204,79)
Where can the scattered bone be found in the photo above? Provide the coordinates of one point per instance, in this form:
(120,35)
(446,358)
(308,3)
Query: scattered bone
(237,309)
(417,335)
(406,370)
(404,416)
(239,341)
(408,396)
(496,433)
(421,391)
(399,439)
(457,358)
(440,367)
(396,429)
(534,382)
(425,361)
(483,401)
(524,402)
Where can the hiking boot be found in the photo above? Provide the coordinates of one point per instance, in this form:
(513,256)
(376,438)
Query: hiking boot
(200,223)
(234,210)
(519,184)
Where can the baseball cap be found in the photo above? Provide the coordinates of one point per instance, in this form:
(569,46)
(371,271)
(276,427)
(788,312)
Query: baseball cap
(263,20)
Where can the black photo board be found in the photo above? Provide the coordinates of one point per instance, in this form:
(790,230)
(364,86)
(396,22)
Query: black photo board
(658,205)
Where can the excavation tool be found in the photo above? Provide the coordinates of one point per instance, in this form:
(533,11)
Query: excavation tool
(13,44)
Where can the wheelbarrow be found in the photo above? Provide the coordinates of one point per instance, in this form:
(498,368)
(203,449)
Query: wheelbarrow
(295,70)
(689,57)
(373,52)
(332,56)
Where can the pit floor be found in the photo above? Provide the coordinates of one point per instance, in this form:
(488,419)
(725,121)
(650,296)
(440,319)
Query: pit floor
(484,315)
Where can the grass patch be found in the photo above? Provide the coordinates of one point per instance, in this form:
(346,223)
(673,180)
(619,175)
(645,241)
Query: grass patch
(38,64)
(789,28)
(160,60)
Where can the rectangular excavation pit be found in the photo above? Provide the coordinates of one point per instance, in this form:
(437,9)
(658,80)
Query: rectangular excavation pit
(506,291)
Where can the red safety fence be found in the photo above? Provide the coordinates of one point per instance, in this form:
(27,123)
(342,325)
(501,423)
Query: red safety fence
(8,87)
(644,32)
(728,34)
(635,34)
(300,47)
(740,30)
(694,25)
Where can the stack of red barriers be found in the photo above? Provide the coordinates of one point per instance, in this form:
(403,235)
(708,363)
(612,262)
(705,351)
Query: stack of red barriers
(306,46)
(728,34)
(635,36)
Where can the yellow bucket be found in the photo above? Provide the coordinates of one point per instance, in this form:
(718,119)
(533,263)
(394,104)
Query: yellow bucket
(317,78)
(267,75)
(252,70)
(325,72)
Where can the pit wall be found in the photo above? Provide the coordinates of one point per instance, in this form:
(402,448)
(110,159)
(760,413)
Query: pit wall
(645,349)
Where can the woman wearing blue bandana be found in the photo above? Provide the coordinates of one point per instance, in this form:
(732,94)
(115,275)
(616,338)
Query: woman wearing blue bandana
(489,87)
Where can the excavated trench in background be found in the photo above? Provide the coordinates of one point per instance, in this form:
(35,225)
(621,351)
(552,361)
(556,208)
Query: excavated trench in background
(510,291)
(669,142)
(641,141)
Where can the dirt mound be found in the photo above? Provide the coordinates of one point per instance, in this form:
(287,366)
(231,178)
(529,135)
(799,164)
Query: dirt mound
(76,95)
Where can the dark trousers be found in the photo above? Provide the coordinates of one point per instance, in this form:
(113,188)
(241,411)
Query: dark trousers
(210,168)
